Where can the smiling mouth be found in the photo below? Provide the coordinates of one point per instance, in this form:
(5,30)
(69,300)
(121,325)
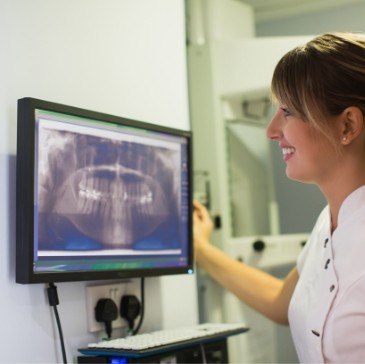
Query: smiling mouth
(287,152)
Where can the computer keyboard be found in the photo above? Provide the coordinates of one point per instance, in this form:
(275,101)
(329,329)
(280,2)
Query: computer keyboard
(166,338)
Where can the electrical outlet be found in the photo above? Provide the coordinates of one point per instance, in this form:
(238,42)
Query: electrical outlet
(113,291)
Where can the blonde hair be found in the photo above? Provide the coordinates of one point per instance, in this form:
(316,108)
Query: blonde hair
(322,78)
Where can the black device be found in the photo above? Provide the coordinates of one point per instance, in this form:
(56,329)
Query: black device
(106,311)
(130,309)
(99,196)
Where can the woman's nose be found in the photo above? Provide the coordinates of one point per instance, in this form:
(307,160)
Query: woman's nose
(274,129)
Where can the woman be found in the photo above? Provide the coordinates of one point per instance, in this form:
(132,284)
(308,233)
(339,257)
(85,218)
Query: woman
(319,125)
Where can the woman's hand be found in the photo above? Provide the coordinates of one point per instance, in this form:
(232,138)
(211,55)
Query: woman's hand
(203,227)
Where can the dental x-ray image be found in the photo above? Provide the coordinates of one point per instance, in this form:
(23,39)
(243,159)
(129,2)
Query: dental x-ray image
(98,192)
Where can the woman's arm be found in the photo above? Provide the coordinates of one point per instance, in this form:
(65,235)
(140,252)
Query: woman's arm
(263,292)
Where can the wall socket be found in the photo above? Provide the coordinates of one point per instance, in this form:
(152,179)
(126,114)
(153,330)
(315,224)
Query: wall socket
(114,291)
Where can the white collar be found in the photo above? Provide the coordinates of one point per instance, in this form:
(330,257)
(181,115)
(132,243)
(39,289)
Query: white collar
(352,203)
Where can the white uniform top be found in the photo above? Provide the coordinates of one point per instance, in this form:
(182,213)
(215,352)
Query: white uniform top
(327,310)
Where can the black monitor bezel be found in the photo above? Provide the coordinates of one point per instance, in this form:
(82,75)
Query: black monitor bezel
(25,167)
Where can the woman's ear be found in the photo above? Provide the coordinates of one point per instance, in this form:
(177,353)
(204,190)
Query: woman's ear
(351,124)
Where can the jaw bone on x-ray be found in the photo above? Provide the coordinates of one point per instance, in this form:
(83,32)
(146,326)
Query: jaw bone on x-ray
(101,193)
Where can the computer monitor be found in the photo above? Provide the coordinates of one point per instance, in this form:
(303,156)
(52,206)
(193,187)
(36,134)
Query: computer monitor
(99,196)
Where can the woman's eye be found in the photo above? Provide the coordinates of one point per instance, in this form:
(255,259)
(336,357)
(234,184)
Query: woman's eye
(286,112)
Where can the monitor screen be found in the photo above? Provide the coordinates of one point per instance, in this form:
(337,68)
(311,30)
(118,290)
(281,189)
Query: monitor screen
(99,196)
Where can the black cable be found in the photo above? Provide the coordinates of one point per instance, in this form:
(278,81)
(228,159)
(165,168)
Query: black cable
(53,301)
(135,331)
(202,350)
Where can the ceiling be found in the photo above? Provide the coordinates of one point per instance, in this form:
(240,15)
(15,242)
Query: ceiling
(267,10)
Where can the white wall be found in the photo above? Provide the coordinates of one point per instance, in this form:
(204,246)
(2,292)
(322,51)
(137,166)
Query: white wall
(122,57)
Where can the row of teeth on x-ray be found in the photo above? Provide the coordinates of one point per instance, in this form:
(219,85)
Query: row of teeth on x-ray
(94,192)
(95,195)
